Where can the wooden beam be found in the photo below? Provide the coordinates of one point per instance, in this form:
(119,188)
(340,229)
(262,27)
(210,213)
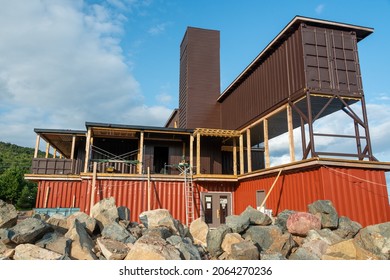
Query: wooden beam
(198,154)
(249,150)
(73,147)
(55,153)
(141,152)
(87,150)
(191,153)
(37,146)
(242,170)
(290,133)
(234,156)
(266,144)
(93,186)
(47,150)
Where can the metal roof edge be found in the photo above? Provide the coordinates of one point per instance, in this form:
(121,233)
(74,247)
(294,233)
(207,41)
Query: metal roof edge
(59,131)
(137,127)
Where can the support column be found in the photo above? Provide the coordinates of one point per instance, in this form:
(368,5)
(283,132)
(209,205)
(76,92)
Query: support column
(234,156)
(55,153)
(73,146)
(37,146)
(242,165)
(198,153)
(191,154)
(47,150)
(249,149)
(141,152)
(266,144)
(290,133)
(310,123)
(87,150)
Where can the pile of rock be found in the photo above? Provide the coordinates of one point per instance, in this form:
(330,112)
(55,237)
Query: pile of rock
(108,234)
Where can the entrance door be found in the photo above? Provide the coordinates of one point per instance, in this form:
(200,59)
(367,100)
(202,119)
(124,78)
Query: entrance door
(161,155)
(216,207)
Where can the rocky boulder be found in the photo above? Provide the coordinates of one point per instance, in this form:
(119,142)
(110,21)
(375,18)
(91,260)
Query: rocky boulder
(300,223)
(199,230)
(86,221)
(262,236)
(105,212)
(237,223)
(327,212)
(28,231)
(8,215)
(34,252)
(347,228)
(157,218)
(375,239)
(215,238)
(112,249)
(244,250)
(256,217)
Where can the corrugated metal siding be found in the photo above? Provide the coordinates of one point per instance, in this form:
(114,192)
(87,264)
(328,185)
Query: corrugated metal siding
(356,193)
(277,77)
(199,79)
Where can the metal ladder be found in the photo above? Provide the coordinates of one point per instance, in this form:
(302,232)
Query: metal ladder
(189,197)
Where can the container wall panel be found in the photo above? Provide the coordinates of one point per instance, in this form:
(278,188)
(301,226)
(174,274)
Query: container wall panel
(356,193)
(277,76)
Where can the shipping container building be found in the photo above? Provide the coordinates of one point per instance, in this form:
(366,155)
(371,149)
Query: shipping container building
(221,152)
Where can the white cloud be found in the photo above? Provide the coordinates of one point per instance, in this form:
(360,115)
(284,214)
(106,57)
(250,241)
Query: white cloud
(61,65)
(158,29)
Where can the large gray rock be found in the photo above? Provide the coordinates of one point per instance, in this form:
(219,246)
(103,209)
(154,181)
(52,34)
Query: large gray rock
(112,249)
(5,236)
(347,228)
(303,253)
(185,246)
(82,244)
(117,232)
(281,219)
(105,212)
(33,252)
(375,239)
(315,247)
(238,224)
(152,247)
(55,242)
(349,250)
(272,256)
(263,236)
(199,230)
(214,240)
(324,234)
(300,223)
(244,250)
(87,221)
(29,230)
(327,212)
(256,217)
(124,213)
(157,218)
(8,215)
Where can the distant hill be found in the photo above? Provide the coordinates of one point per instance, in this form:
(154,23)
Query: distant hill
(12,155)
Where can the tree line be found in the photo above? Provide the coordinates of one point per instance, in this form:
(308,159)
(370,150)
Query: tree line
(15,161)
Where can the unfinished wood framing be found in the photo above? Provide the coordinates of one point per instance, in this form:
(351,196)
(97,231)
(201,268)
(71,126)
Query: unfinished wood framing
(55,153)
(198,154)
(249,149)
(47,150)
(216,132)
(141,152)
(266,144)
(73,146)
(191,154)
(87,150)
(290,133)
(234,156)
(242,154)
(37,146)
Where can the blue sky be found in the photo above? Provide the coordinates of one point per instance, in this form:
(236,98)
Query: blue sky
(66,62)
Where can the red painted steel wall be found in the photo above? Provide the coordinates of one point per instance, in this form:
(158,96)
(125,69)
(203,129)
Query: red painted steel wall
(356,193)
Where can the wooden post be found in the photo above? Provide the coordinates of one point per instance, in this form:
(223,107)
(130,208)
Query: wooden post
(234,156)
(46,197)
(73,146)
(93,187)
(266,144)
(55,153)
(198,153)
(249,149)
(149,191)
(141,152)
(290,133)
(87,150)
(270,190)
(47,150)
(37,146)
(242,165)
(191,154)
